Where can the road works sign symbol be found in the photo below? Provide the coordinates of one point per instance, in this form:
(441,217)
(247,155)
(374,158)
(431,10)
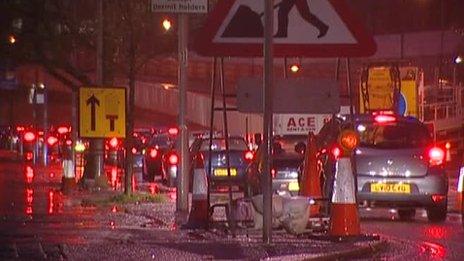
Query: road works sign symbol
(102,112)
(92,101)
(311,28)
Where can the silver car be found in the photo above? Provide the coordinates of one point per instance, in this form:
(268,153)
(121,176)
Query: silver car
(397,164)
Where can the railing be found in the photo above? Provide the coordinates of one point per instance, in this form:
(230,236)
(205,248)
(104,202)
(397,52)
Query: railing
(442,107)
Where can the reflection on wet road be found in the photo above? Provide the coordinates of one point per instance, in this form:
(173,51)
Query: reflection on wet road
(32,215)
(417,239)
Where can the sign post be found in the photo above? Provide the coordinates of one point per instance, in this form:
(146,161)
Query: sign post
(183,8)
(267,120)
(245,28)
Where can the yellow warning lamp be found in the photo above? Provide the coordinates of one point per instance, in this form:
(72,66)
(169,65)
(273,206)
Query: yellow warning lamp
(348,141)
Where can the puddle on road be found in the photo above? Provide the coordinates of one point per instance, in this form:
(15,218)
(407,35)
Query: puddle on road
(436,232)
(432,250)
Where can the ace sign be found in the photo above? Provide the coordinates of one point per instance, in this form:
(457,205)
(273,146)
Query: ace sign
(299,124)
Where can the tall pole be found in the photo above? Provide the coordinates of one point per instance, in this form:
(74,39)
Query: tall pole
(267,120)
(96,145)
(45,126)
(183,176)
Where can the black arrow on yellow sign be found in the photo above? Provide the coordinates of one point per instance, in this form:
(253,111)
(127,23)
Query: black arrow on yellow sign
(92,101)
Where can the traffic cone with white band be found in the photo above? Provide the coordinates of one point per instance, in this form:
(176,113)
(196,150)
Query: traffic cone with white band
(344,217)
(199,213)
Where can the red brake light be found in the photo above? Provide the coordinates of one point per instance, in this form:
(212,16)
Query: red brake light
(436,156)
(153,153)
(29,136)
(29,156)
(173,159)
(69,142)
(382,118)
(52,140)
(114,142)
(438,198)
(19,129)
(63,130)
(134,150)
(173,131)
(273,173)
(249,155)
(336,152)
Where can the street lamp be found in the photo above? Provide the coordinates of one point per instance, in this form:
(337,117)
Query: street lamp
(12,39)
(166,24)
(294,68)
(458,59)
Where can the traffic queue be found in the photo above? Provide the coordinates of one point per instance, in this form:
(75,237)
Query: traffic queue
(397,164)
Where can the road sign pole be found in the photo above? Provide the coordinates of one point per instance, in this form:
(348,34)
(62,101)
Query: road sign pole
(45,128)
(183,175)
(267,119)
(96,145)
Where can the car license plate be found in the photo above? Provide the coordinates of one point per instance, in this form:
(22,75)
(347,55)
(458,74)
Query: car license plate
(223,172)
(293,186)
(390,188)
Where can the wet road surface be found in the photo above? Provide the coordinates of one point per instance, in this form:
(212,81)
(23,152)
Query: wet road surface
(38,222)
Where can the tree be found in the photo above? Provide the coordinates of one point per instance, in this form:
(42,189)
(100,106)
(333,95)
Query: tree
(60,35)
(136,39)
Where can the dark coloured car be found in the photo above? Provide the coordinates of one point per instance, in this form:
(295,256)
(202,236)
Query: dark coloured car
(157,147)
(287,161)
(239,159)
(397,163)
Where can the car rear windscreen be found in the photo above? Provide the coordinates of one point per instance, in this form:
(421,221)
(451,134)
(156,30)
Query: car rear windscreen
(393,135)
(287,163)
(220,144)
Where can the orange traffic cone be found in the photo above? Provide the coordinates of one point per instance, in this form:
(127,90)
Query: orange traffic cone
(199,217)
(344,218)
(311,186)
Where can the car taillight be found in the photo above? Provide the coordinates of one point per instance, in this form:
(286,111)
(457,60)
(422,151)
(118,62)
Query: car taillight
(134,150)
(63,130)
(249,155)
(273,173)
(173,131)
(69,142)
(114,142)
(436,156)
(336,152)
(384,118)
(29,155)
(29,136)
(173,159)
(52,140)
(153,153)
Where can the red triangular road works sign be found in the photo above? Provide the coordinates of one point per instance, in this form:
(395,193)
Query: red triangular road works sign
(302,28)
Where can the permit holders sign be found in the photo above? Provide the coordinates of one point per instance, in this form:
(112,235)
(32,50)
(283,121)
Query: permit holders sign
(102,112)
(299,124)
(179,6)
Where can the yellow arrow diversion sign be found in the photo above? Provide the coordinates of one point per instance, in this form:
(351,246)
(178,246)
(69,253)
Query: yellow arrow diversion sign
(102,112)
